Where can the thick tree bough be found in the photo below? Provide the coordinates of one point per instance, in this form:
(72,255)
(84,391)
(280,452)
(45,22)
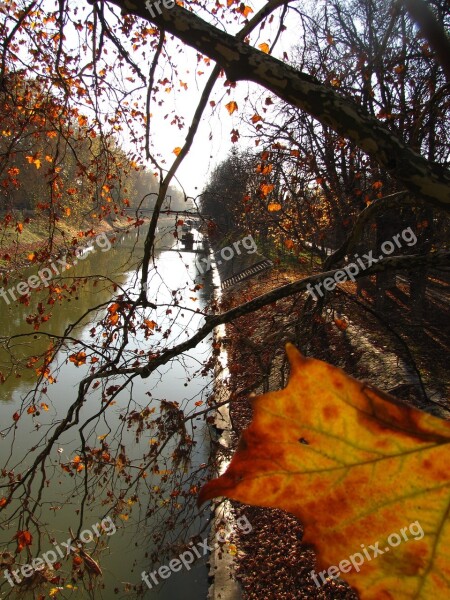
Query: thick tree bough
(243,62)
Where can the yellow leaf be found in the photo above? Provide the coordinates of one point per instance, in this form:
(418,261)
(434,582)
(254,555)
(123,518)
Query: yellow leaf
(366,475)
(264,47)
(231,107)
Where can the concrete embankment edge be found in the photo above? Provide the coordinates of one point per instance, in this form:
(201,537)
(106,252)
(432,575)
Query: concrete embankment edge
(222,561)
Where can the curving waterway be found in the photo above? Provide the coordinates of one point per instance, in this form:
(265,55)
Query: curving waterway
(128,545)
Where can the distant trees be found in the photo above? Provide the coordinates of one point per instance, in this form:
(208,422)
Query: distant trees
(55,161)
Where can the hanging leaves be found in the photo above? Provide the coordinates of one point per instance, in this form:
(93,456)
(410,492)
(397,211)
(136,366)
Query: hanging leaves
(34,160)
(24,538)
(244,10)
(231,107)
(266,188)
(78,359)
(326,441)
(264,48)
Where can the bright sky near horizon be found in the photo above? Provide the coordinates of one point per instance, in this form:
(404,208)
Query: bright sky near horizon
(213,140)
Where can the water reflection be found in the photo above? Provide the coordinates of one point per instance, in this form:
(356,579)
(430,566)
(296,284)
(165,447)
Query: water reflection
(127,553)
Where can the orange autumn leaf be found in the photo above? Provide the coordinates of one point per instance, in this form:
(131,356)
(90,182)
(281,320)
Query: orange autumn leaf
(274,206)
(44,406)
(31,410)
(266,188)
(176,150)
(78,359)
(256,118)
(357,468)
(244,10)
(264,47)
(231,107)
(113,319)
(19,227)
(68,211)
(3,502)
(341,324)
(289,244)
(24,538)
(113,308)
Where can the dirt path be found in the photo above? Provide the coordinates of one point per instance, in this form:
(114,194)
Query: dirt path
(273,564)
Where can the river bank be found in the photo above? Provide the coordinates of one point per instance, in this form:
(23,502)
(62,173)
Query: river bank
(270,562)
(33,237)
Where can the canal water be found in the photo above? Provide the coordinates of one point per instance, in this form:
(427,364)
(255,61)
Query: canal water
(130,543)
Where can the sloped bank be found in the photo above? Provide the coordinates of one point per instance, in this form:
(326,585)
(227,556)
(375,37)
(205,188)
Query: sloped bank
(269,562)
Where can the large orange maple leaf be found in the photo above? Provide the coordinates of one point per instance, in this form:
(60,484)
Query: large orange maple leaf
(367,476)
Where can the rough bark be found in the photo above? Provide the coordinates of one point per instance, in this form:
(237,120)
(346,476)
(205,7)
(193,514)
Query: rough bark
(243,62)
